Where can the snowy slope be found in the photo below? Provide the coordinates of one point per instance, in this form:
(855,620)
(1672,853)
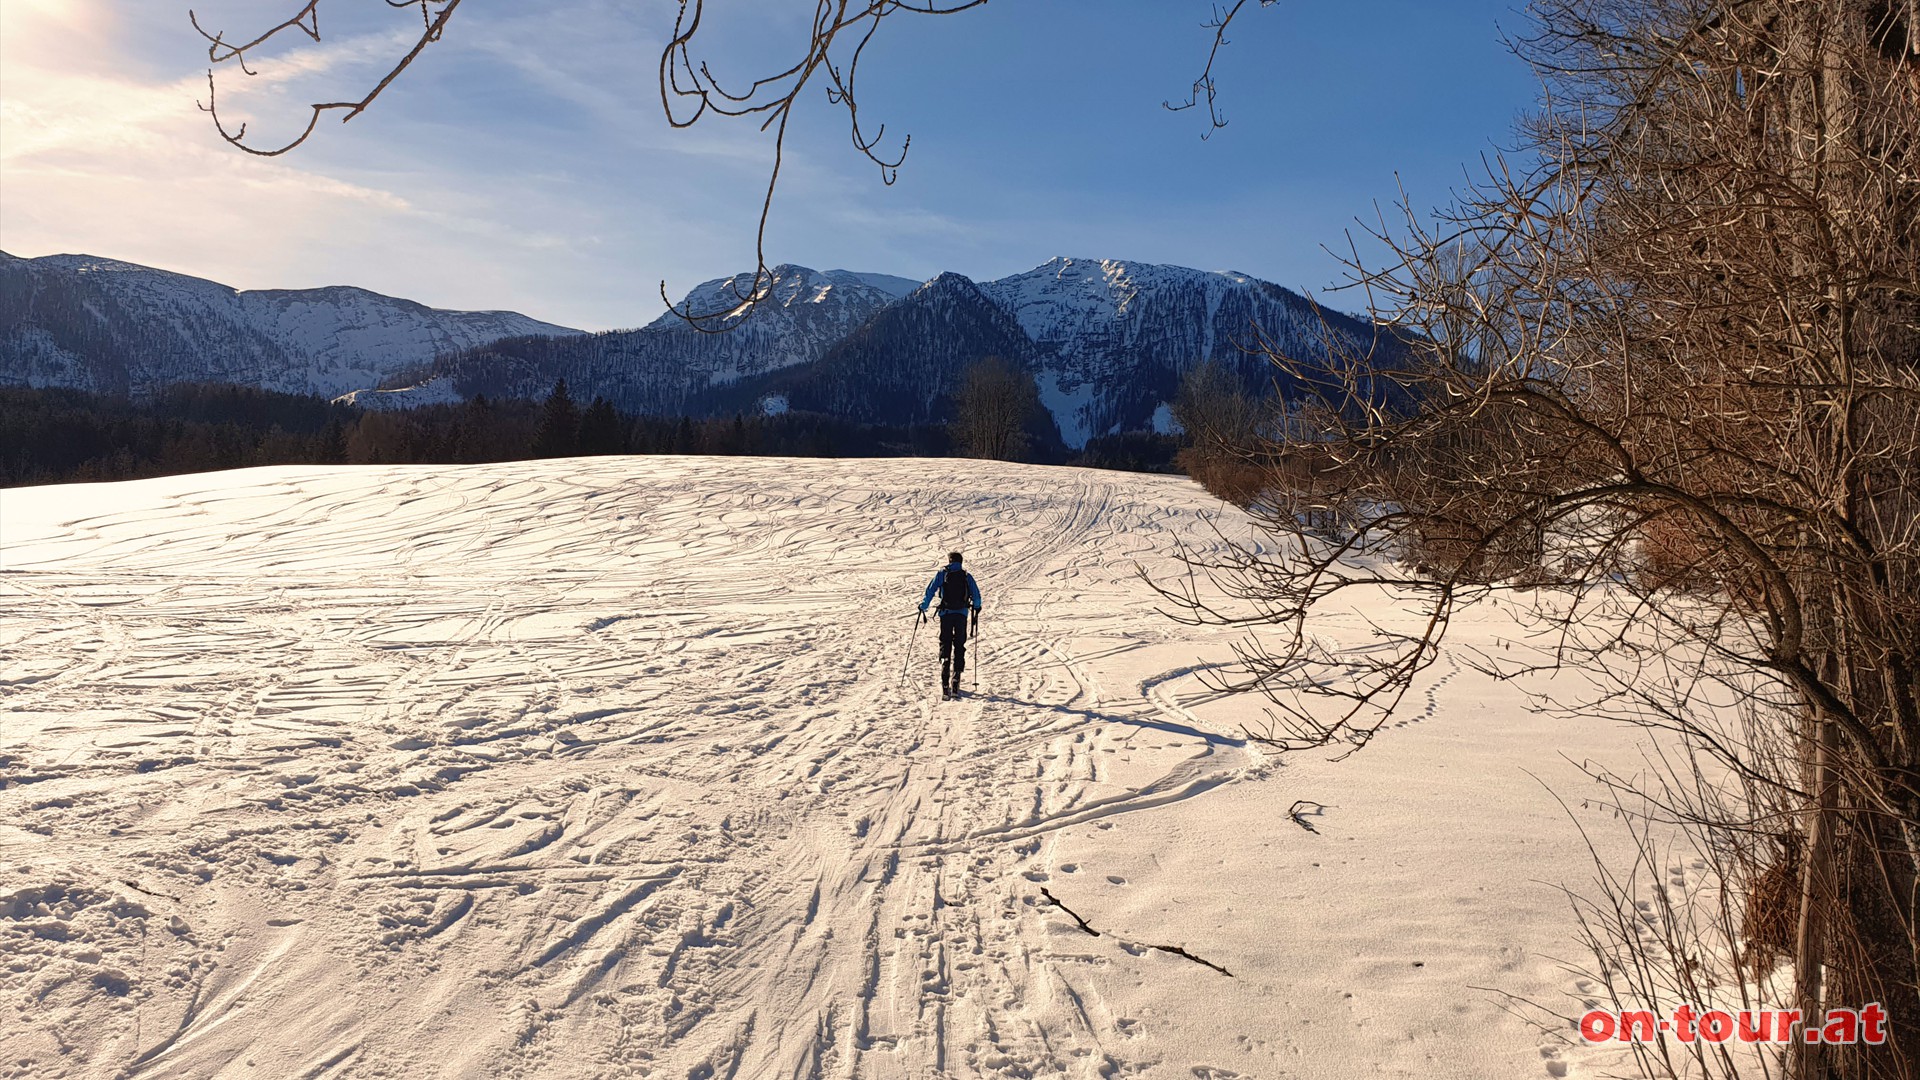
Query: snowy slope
(99,324)
(622,767)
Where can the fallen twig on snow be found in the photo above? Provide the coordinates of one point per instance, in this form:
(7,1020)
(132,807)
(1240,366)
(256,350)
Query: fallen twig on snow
(1178,951)
(1174,949)
(1068,910)
(1300,818)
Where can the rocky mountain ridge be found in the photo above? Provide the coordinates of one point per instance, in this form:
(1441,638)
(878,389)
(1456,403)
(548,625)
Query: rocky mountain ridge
(1106,340)
(120,328)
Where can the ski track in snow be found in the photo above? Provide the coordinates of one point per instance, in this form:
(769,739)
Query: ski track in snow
(588,768)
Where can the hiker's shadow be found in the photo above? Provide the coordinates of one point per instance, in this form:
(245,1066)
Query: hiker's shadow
(1146,723)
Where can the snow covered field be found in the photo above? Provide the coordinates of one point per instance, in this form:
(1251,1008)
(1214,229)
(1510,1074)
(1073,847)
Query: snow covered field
(606,767)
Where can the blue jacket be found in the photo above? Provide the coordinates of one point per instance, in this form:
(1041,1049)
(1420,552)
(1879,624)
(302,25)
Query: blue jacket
(933,590)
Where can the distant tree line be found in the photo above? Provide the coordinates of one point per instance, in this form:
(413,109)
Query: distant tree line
(55,435)
(52,436)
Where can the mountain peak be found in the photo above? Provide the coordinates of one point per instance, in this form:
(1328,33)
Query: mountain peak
(887,283)
(947,279)
(786,288)
(1066,266)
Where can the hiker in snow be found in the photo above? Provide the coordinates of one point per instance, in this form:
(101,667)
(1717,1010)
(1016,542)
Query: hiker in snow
(958,596)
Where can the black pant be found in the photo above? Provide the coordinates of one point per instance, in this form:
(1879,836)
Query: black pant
(953,643)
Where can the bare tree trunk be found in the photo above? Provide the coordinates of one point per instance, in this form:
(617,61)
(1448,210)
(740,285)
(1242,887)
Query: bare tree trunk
(994,402)
(1816,891)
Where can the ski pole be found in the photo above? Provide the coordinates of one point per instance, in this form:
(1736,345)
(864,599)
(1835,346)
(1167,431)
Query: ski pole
(911,638)
(977,654)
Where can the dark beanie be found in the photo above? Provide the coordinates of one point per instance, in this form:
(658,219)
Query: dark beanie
(953,556)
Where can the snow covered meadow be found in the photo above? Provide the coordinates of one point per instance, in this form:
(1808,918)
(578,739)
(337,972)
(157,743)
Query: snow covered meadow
(621,767)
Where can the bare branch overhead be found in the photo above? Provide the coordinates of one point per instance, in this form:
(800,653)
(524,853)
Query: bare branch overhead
(691,90)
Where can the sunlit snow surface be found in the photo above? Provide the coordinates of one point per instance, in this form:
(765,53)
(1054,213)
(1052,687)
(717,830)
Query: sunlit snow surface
(621,767)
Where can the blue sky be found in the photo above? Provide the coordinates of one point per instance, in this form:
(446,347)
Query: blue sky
(523,162)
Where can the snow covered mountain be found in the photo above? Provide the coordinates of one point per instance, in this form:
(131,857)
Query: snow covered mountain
(1116,337)
(1108,342)
(103,325)
(896,367)
(669,366)
(804,313)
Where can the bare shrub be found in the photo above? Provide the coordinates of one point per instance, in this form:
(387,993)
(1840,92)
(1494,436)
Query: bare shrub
(992,409)
(1674,364)
(1770,917)
(1226,477)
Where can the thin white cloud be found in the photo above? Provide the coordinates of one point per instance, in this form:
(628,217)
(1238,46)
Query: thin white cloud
(523,163)
(90,155)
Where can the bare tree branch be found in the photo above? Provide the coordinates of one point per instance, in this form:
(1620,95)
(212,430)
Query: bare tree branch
(433,14)
(1660,394)
(691,91)
(1204,87)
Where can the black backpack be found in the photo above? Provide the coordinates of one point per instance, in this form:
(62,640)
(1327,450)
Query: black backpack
(953,590)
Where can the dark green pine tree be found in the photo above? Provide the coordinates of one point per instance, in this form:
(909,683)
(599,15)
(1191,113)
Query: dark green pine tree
(733,439)
(601,431)
(474,431)
(332,447)
(559,431)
